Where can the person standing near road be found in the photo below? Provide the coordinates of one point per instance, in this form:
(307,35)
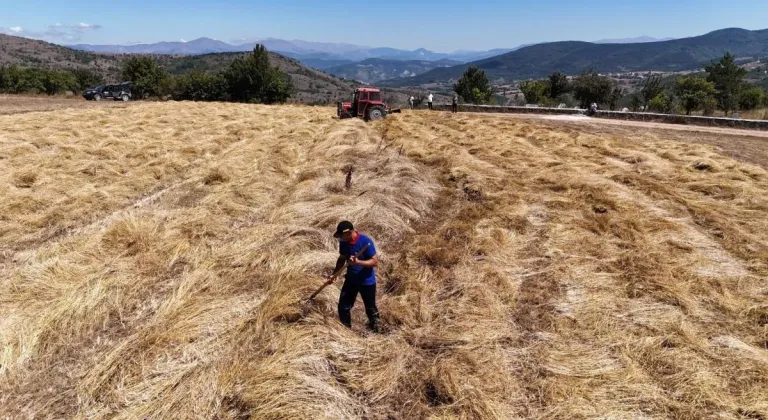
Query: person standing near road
(361,275)
(592,109)
(429,100)
(455,103)
(410,102)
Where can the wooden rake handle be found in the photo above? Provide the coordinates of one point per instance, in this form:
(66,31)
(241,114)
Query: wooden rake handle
(336,274)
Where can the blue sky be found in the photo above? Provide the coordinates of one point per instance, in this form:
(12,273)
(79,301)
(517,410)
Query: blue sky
(437,25)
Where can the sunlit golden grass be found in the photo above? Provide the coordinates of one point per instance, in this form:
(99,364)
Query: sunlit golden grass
(155,258)
(757,114)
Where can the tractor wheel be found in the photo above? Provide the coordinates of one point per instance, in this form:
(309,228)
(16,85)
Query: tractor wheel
(376,113)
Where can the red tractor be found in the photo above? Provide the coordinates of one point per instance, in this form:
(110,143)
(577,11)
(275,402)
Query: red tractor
(366,103)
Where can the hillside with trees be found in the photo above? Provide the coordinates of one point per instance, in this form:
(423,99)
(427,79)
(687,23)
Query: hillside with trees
(28,65)
(722,86)
(575,57)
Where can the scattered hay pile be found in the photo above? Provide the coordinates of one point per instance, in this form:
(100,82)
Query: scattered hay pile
(154,260)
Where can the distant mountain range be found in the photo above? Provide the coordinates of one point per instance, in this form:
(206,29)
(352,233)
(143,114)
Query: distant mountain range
(296,48)
(406,68)
(198,46)
(573,57)
(320,55)
(636,40)
(350,61)
(374,70)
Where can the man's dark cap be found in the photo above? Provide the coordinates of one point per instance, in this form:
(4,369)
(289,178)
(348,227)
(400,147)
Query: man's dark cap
(344,226)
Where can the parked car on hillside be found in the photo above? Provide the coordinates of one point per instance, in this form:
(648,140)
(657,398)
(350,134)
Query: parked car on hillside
(118,92)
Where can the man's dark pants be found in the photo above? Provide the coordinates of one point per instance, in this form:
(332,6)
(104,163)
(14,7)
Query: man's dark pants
(455,108)
(430,105)
(347,300)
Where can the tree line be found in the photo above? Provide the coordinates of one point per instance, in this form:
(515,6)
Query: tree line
(722,88)
(585,89)
(249,78)
(16,79)
(474,87)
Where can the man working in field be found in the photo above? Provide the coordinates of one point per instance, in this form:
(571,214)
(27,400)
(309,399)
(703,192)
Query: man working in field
(359,253)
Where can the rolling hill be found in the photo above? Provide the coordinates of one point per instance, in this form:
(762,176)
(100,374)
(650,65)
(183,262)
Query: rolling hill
(633,40)
(311,85)
(197,46)
(34,53)
(377,69)
(573,57)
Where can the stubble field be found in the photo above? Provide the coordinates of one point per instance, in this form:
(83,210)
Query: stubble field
(154,259)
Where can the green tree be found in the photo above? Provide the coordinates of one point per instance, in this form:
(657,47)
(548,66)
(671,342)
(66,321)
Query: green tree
(558,85)
(17,79)
(149,79)
(613,100)
(5,79)
(709,105)
(55,82)
(535,90)
(253,79)
(85,79)
(199,86)
(661,103)
(474,86)
(635,103)
(693,92)
(8,78)
(567,99)
(727,78)
(651,89)
(751,98)
(591,87)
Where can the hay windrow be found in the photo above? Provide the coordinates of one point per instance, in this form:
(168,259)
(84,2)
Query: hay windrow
(155,258)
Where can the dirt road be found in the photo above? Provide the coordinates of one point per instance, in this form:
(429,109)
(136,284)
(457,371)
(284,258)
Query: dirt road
(19,104)
(584,120)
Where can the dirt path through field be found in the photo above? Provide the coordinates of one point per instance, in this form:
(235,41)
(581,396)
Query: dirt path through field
(643,125)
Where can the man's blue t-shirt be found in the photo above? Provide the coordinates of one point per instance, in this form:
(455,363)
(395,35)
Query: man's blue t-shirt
(366,276)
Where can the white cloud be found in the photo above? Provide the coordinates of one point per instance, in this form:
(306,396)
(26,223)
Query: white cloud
(54,33)
(79,27)
(16,30)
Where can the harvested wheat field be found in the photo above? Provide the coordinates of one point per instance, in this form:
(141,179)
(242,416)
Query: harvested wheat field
(18,104)
(155,257)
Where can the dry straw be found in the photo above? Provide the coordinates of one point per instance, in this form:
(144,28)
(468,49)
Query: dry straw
(155,259)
